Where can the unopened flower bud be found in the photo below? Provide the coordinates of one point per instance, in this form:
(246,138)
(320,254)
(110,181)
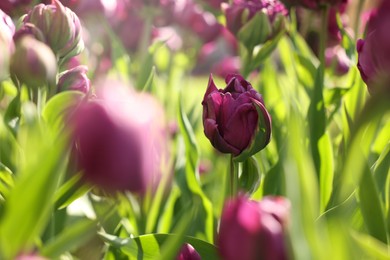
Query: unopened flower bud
(188,252)
(60,26)
(74,79)
(33,63)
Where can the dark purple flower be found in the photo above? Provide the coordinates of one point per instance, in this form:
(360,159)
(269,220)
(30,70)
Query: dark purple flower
(13,7)
(188,252)
(120,139)
(374,50)
(74,79)
(251,230)
(7,47)
(231,119)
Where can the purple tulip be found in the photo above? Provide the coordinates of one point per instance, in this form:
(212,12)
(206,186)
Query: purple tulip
(242,11)
(374,50)
(231,119)
(120,139)
(251,230)
(188,252)
(33,63)
(192,17)
(60,26)
(336,58)
(14,7)
(74,79)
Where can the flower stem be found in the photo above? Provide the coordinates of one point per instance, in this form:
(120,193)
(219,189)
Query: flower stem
(233,185)
(323,35)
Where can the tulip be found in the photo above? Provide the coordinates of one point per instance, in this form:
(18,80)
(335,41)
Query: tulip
(33,63)
(60,26)
(7,30)
(13,7)
(120,139)
(374,52)
(336,58)
(235,119)
(74,79)
(188,252)
(251,230)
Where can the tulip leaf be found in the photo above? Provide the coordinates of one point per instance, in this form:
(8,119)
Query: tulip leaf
(149,246)
(71,238)
(371,207)
(249,180)
(373,248)
(58,106)
(255,31)
(70,191)
(29,203)
(260,137)
(382,169)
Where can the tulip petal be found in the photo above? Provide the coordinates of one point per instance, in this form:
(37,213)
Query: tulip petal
(212,132)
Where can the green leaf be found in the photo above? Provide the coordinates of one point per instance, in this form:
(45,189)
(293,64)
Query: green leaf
(371,207)
(249,180)
(149,246)
(71,238)
(149,83)
(255,31)
(265,50)
(382,169)
(70,191)
(58,107)
(326,170)
(373,248)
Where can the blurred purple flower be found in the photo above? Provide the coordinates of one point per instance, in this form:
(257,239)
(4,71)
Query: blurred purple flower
(13,7)
(74,79)
(230,117)
(374,50)
(251,230)
(120,139)
(336,58)
(7,47)
(188,252)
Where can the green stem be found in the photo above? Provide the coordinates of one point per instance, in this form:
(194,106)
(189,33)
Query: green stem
(233,184)
(323,35)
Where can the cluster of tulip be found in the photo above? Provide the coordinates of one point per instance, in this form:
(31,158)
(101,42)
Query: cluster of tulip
(68,88)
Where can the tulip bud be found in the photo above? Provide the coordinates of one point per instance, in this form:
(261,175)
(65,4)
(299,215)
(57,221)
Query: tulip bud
(74,79)
(7,30)
(33,63)
(374,50)
(188,252)
(60,26)
(255,21)
(251,230)
(235,119)
(120,140)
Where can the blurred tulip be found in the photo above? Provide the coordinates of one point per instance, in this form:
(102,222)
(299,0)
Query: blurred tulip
(191,16)
(374,51)
(120,139)
(252,230)
(33,63)
(336,58)
(7,47)
(226,66)
(74,79)
(232,117)
(13,7)
(188,252)
(60,26)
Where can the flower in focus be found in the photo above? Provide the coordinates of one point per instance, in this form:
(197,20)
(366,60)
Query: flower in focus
(74,79)
(188,252)
(33,63)
(120,139)
(7,30)
(235,118)
(251,230)
(374,51)
(60,26)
